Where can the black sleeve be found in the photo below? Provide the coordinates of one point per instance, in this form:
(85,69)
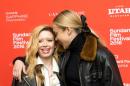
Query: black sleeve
(112,76)
(22,58)
(17,83)
(112,64)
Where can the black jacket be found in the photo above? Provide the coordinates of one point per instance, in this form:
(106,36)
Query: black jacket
(101,71)
(26,81)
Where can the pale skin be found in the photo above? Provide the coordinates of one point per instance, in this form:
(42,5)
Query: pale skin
(45,50)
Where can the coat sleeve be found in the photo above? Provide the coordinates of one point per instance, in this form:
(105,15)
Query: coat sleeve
(22,58)
(17,83)
(111,73)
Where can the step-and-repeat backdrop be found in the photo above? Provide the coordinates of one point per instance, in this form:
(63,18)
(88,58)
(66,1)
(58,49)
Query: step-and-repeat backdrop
(110,19)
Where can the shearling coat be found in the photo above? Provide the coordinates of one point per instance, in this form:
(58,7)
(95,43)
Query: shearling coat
(97,65)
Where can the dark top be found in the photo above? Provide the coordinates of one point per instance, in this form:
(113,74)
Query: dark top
(72,66)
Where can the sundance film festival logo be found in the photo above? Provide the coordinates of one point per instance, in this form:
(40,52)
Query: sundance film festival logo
(118,36)
(20,40)
(119,12)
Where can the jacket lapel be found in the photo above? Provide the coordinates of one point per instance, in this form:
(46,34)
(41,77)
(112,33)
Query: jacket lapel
(30,82)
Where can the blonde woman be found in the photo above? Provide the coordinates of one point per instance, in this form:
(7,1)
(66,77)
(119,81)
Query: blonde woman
(41,61)
(86,61)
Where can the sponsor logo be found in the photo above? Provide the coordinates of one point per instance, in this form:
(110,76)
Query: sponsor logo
(119,11)
(53,13)
(122,61)
(126,84)
(13,16)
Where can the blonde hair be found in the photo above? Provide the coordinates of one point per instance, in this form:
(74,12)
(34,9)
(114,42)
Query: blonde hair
(68,18)
(71,19)
(32,53)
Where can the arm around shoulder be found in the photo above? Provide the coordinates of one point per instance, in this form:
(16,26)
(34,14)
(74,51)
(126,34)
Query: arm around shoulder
(21,58)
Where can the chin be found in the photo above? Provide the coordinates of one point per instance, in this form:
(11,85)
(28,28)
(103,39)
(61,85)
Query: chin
(46,55)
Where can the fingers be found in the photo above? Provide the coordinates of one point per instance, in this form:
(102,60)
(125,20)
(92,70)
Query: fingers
(19,75)
(17,69)
(15,72)
(15,75)
(24,69)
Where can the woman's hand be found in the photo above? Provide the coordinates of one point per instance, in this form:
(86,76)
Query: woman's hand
(18,68)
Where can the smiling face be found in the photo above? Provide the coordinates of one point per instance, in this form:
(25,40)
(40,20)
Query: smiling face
(46,44)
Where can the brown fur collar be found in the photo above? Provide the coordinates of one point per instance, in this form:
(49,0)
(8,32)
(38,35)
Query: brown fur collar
(89,49)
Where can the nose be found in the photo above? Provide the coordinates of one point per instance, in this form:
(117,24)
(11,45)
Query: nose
(44,43)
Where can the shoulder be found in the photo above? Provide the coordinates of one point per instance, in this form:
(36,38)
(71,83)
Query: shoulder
(105,55)
(22,58)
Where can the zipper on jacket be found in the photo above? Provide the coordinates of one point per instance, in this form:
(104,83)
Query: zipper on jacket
(26,82)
